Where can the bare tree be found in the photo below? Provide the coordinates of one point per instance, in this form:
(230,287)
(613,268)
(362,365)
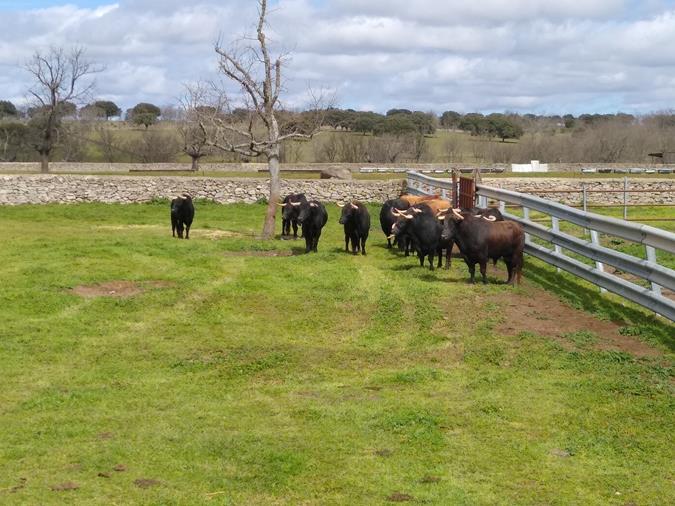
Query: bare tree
(258,75)
(193,137)
(57,81)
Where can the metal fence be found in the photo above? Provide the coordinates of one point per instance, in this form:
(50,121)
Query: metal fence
(648,269)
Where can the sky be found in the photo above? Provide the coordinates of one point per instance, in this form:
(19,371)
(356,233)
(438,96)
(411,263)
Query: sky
(527,56)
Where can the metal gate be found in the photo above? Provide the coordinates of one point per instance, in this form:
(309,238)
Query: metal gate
(467,192)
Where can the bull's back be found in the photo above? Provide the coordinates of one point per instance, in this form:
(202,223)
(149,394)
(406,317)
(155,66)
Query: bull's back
(505,238)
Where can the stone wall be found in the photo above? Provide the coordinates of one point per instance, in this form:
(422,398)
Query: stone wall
(650,191)
(48,188)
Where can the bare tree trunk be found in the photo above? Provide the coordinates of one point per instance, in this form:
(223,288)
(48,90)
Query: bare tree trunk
(195,163)
(44,162)
(275,193)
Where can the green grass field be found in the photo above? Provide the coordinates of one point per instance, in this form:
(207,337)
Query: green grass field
(232,376)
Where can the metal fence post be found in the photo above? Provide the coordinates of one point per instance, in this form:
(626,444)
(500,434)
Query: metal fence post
(625,198)
(555,226)
(651,257)
(584,200)
(526,216)
(599,265)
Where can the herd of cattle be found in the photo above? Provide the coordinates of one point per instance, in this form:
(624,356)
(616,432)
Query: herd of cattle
(428,225)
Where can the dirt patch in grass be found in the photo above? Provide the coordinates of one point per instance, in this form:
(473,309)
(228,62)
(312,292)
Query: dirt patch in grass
(120,468)
(399,497)
(258,253)
(68,485)
(541,313)
(17,487)
(199,233)
(385,452)
(146,482)
(118,288)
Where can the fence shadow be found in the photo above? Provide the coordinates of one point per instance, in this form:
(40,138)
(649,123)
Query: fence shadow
(589,299)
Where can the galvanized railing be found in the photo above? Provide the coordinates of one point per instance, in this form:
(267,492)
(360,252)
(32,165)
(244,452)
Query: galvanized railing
(652,238)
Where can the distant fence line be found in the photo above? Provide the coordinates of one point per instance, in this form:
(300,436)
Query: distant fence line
(366,168)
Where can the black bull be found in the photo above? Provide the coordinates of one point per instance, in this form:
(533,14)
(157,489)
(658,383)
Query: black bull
(289,216)
(481,238)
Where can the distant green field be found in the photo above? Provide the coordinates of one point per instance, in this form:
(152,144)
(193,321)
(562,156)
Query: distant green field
(227,370)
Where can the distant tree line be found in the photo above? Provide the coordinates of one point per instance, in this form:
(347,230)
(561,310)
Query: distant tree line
(398,135)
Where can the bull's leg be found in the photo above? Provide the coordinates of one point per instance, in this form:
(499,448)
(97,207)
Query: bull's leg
(509,267)
(483,270)
(180,230)
(448,257)
(472,271)
(355,245)
(346,243)
(308,243)
(316,241)
(363,245)
(431,260)
(295,229)
(440,257)
(420,256)
(389,243)
(187,231)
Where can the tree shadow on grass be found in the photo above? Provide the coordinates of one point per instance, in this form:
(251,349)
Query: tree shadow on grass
(579,295)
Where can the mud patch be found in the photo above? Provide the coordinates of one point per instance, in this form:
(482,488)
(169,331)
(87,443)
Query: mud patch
(118,288)
(399,497)
(204,233)
(427,480)
(541,313)
(17,487)
(62,487)
(258,253)
(146,482)
(120,468)
(385,452)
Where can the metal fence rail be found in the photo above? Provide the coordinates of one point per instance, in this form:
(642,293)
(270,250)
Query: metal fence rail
(647,269)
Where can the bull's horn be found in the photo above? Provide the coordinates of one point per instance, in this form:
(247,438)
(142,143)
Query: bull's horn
(490,218)
(187,195)
(281,205)
(439,217)
(354,206)
(444,210)
(392,236)
(295,204)
(457,215)
(407,217)
(416,210)
(396,211)
(340,205)
(313,204)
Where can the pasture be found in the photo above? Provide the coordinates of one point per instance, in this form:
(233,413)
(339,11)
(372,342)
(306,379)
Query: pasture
(141,369)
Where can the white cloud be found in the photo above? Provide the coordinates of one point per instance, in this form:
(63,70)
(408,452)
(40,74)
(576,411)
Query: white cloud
(528,55)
